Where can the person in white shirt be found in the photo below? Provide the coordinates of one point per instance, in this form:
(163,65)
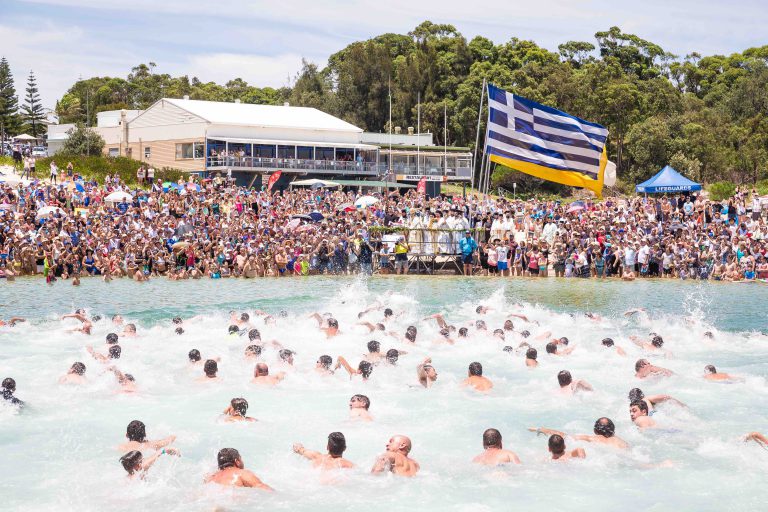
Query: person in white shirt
(54,172)
(644,257)
(502,259)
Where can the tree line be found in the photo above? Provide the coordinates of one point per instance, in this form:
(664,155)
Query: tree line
(707,116)
(14,119)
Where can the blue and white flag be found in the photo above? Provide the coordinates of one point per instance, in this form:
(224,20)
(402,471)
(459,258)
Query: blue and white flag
(545,142)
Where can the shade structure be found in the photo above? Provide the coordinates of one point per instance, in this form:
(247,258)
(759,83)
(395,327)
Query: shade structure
(366,201)
(312,182)
(667,180)
(118,197)
(49,211)
(24,136)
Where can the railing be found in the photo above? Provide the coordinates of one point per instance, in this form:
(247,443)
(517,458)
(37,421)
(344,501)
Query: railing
(461,172)
(256,162)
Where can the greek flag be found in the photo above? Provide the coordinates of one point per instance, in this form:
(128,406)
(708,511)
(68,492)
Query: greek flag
(545,142)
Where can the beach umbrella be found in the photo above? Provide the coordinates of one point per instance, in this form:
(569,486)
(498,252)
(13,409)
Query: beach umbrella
(49,211)
(316,216)
(301,216)
(167,185)
(193,186)
(344,206)
(118,197)
(79,187)
(366,201)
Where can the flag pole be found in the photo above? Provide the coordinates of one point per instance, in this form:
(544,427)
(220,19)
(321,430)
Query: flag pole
(389,160)
(418,133)
(445,138)
(477,136)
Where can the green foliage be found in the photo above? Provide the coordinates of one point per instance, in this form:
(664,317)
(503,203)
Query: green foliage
(708,113)
(83,141)
(33,108)
(721,190)
(10,122)
(762,187)
(97,167)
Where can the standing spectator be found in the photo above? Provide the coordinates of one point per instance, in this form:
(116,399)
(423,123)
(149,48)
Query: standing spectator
(54,172)
(140,173)
(150,175)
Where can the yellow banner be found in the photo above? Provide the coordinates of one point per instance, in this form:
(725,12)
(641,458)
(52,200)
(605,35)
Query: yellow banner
(571,178)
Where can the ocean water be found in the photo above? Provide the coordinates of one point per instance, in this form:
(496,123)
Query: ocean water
(60,452)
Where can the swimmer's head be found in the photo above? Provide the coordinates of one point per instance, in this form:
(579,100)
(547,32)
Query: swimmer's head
(117,319)
(463,332)
(245,317)
(114,352)
(480,310)
(130,328)
(380,327)
(709,335)
(498,333)
(564,341)
(136,431)
(239,405)
(194,355)
(112,338)
(564,378)
(365,368)
(333,323)
(509,349)
(445,332)
(640,364)
(635,394)
(525,333)
(261,370)
(177,320)
(556,444)
(252,351)
(491,438)
(286,355)
(508,325)
(638,408)
(374,347)
(551,348)
(233,329)
(337,443)
(392,355)
(475,369)
(604,427)
(531,353)
(229,458)
(607,342)
(710,368)
(324,361)
(78,368)
(211,368)
(410,333)
(480,325)
(94,318)
(283,314)
(9,384)
(254,334)
(131,461)
(179,331)
(388,313)
(359,401)
(657,341)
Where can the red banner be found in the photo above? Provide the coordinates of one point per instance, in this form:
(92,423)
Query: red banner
(273,179)
(421,188)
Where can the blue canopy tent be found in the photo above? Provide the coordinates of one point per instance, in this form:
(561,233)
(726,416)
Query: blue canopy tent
(667,180)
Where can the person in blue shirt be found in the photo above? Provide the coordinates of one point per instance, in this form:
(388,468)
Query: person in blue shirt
(468,247)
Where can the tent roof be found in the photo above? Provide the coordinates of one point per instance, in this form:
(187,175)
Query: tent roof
(24,136)
(272,116)
(372,183)
(667,180)
(309,183)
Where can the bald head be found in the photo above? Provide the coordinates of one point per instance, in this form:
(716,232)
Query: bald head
(262,370)
(400,444)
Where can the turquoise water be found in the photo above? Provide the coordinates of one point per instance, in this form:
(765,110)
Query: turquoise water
(61,451)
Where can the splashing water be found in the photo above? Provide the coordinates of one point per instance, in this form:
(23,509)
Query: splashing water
(60,451)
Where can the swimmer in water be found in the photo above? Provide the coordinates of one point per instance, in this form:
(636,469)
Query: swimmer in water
(365,368)
(86,324)
(261,375)
(358,408)
(253,351)
(757,437)
(237,411)
(530,358)
(232,472)
(644,369)
(334,459)
(568,386)
(638,413)
(374,351)
(493,452)
(475,378)
(556,447)
(286,356)
(12,321)
(711,373)
(117,320)
(112,338)
(9,388)
(323,365)
(329,326)
(133,462)
(75,375)
(608,343)
(113,353)
(129,331)
(554,349)
(655,345)
(126,380)
(426,373)
(210,369)
(604,430)
(136,434)
(652,401)
(395,459)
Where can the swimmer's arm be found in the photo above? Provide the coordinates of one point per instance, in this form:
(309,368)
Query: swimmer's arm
(757,437)
(384,463)
(340,361)
(621,351)
(369,325)
(544,335)
(161,443)
(307,454)
(521,317)
(75,315)
(99,357)
(250,480)
(582,384)
(657,399)
(16,319)
(317,317)
(547,431)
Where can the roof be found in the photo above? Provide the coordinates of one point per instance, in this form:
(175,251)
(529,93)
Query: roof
(372,183)
(667,180)
(248,114)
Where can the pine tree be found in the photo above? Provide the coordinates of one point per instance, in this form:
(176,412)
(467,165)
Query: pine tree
(9,103)
(33,109)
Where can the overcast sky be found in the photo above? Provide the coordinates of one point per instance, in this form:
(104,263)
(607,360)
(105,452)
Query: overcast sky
(263,42)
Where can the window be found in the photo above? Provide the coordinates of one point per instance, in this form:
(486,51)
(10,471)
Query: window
(147,152)
(189,150)
(305,152)
(286,151)
(114,151)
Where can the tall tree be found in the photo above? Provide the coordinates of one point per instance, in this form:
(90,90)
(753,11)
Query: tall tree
(33,109)
(9,103)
